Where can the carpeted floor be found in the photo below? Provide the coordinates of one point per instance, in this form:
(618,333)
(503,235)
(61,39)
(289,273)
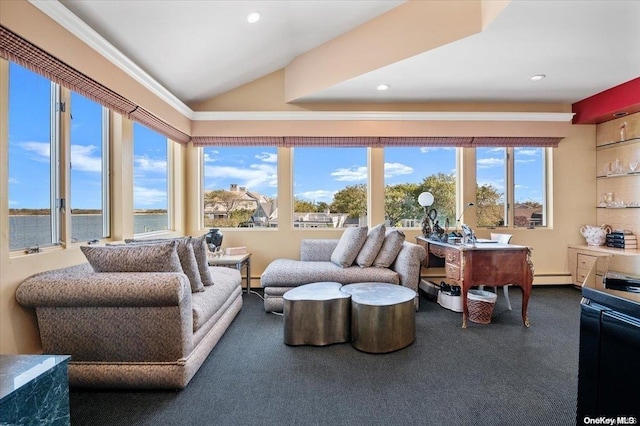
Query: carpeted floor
(496,374)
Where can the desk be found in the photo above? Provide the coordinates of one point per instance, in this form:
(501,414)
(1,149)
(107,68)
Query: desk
(238,261)
(490,264)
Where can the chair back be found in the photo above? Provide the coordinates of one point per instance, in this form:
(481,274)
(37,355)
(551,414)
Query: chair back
(501,238)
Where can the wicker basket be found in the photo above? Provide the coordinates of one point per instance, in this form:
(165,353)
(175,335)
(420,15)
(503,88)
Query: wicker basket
(480,304)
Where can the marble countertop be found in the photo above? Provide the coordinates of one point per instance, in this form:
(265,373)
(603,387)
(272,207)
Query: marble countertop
(18,370)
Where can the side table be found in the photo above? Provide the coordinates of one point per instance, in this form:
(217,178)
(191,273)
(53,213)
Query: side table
(237,261)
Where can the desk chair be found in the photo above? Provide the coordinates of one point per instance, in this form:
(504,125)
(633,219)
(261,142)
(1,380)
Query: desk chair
(504,239)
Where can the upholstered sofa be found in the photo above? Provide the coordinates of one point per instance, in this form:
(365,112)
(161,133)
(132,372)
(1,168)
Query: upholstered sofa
(393,261)
(132,329)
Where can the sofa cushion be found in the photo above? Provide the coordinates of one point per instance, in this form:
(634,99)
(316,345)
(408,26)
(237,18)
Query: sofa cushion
(208,303)
(186,256)
(292,273)
(391,246)
(349,246)
(134,258)
(200,251)
(199,245)
(371,246)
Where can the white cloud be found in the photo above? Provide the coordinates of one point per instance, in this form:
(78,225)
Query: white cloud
(14,181)
(13,203)
(524,161)
(530,152)
(316,196)
(208,158)
(426,149)
(487,163)
(148,197)
(350,175)
(41,149)
(255,176)
(268,157)
(396,169)
(81,159)
(146,164)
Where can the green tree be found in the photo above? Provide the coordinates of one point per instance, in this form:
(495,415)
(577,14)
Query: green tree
(351,200)
(443,188)
(489,206)
(400,202)
(303,206)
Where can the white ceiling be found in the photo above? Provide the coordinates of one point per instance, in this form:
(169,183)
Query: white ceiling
(200,49)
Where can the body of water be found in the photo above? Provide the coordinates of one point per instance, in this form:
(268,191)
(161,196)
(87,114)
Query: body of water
(32,231)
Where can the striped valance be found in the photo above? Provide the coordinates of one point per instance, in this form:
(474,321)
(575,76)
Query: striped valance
(16,49)
(367,141)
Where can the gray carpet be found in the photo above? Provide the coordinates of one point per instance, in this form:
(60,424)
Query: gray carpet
(496,374)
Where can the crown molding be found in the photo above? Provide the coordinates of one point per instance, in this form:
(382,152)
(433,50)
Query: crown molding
(63,16)
(378,116)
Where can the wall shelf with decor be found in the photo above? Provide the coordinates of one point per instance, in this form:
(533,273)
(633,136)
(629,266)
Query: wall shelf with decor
(617,201)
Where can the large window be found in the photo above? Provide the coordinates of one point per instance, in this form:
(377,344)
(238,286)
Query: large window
(240,187)
(89,199)
(33,177)
(509,177)
(150,180)
(411,171)
(38,200)
(329,187)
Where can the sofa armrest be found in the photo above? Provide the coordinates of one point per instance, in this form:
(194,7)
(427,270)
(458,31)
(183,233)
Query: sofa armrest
(140,317)
(94,289)
(408,264)
(317,250)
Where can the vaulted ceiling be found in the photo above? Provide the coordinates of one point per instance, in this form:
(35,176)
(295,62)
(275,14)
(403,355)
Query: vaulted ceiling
(341,50)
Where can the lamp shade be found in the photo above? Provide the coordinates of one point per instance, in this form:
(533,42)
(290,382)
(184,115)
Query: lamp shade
(425,199)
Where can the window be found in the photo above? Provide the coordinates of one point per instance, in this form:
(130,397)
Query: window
(410,171)
(33,143)
(491,174)
(150,180)
(511,177)
(240,187)
(530,195)
(329,187)
(38,201)
(89,199)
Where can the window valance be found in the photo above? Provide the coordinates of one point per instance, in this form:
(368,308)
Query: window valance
(366,141)
(16,49)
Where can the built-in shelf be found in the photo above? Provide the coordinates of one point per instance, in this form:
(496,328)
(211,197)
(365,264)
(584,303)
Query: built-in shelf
(618,143)
(618,175)
(618,208)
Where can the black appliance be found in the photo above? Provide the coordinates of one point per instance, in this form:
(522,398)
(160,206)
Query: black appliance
(608,369)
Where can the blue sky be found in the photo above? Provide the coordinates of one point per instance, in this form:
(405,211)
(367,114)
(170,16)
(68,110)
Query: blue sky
(318,172)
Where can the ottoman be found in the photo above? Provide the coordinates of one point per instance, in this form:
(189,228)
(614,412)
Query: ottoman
(382,316)
(316,314)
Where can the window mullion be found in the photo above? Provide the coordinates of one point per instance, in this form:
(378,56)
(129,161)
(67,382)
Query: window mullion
(509,213)
(56,204)
(106,174)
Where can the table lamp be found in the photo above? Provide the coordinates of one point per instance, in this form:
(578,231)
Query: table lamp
(425,199)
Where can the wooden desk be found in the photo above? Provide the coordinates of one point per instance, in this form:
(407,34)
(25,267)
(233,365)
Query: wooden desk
(490,264)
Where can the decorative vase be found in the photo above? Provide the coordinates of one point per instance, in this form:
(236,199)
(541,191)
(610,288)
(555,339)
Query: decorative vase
(595,235)
(214,238)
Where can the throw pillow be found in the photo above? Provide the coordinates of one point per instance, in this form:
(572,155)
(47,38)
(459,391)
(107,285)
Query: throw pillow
(391,246)
(349,246)
(134,258)
(371,246)
(200,251)
(187,258)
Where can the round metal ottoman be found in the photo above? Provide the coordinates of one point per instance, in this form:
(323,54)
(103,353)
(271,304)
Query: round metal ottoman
(382,316)
(316,314)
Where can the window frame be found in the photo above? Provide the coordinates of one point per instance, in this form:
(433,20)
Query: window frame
(60,165)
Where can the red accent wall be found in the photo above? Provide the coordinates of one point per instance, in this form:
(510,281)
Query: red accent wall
(602,106)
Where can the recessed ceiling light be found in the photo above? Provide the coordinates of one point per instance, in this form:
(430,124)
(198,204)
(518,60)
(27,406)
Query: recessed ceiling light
(538,77)
(383,87)
(620,114)
(253,17)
